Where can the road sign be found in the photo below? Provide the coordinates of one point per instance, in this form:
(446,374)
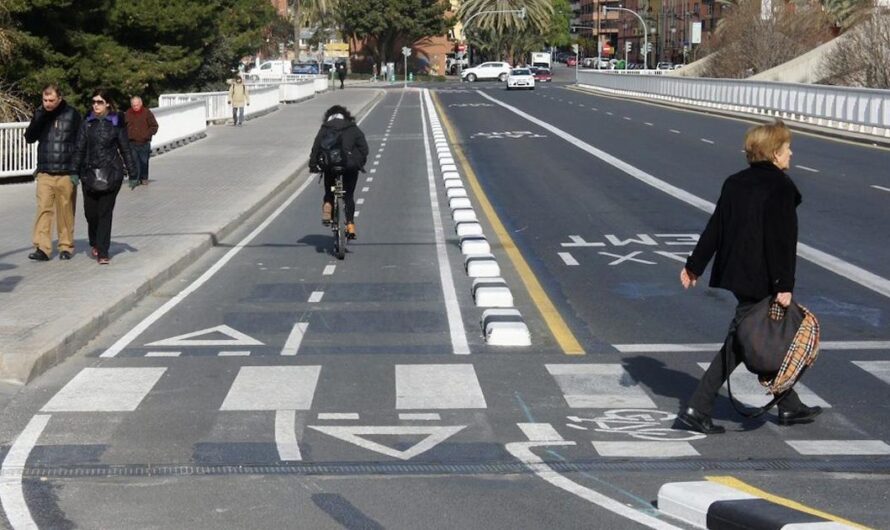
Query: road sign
(607,48)
(575,48)
(628,46)
(406,51)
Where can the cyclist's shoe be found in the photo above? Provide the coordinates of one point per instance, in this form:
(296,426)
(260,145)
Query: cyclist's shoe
(350,231)
(700,422)
(326,210)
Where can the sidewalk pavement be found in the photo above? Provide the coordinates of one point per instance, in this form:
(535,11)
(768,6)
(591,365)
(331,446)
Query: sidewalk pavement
(198,194)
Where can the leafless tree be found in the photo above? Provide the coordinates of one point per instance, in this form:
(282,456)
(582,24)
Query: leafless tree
(862,56)
(12,108)
(745,43)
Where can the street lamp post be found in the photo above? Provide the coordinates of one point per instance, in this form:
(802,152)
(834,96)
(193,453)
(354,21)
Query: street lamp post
(519,12)
(645,30)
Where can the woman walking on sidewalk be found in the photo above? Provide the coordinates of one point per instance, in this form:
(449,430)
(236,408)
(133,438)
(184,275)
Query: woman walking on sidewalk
(239,96)
(102,152)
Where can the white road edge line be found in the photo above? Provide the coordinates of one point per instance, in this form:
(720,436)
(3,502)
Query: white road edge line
(522,452)
(805,168)
(882,188)
(705,140)
(286,436)
(137,330)
(332,416)
(834,264)
(12,497)
(452,307)
(836,345)
(292,345)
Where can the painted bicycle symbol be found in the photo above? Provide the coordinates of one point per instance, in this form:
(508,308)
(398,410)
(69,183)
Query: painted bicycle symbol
(643,424)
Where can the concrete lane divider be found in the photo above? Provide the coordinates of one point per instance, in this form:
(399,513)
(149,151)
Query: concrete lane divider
(482,266)
(456,192)
(505,327)
(492,292)
(446,160)
(449,167)
(707,504)
(461,215)
(471,245)
(468,228)
(459,202)
(454,183)
(450,175)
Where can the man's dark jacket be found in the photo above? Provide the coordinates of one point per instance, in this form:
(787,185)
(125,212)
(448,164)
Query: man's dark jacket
(56,132)
(753,232)
(352,139)
(103,143)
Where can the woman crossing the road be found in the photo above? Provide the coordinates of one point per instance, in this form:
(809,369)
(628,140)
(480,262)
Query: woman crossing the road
(752,236)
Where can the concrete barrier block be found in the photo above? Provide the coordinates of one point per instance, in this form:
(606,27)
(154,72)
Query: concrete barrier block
(450,175)
(456,192)
(689,501)
(471,245)
(492,292)
(446,161)
(468,228)
(459,202)
(453,183)
(462,215)
(505,327)
(449,167)
(482,266)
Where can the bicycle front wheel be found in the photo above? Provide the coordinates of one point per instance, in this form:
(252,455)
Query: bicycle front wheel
(340,243)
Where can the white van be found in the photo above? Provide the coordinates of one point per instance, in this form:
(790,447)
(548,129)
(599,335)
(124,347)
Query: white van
(270,70)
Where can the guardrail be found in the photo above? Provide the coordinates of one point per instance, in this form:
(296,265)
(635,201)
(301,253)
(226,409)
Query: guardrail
(861,110)
(179,125)
(17,157)
(217,106)
(290,91)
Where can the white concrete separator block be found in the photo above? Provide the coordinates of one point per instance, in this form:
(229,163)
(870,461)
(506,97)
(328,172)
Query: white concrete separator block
(453,183)
(462,215)
(474,245)
(689,501)
(446,160)
(482,266)
(450,175)
(505,327)
(443,150)
(468,228)
(459,202)
(456,192)
(492,292)
(449,167)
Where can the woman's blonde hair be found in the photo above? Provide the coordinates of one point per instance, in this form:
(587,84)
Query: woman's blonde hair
(764,141)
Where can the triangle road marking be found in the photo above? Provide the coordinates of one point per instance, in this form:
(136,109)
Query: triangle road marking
(353,434)
(189,339)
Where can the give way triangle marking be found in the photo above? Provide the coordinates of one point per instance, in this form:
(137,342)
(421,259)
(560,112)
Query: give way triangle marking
(353,434)
(236,338)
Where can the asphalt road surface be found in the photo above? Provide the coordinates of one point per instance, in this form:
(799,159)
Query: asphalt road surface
(290,389)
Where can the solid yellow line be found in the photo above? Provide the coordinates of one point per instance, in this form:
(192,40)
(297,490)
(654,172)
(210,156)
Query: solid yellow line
(560,330)
(733,482)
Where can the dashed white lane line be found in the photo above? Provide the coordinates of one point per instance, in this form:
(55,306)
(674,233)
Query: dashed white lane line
(568,259)
(376,162)
(366,189)
(627,118)
(369,179)
(234,353)
(286,436)
(805,168)
(705,140)
(163,354)
(609,113)
(329,416)
(12,497)
(329,269)
(675,131)
(374,170)
(360,201)
(355,214)
(378,156)
(882,188)
(316,297)
(419,416)
(648,124)
(292,344)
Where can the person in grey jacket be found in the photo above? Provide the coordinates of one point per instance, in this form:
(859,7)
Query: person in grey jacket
(54,126)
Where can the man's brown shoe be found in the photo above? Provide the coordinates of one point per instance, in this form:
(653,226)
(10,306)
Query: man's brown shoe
(326,210)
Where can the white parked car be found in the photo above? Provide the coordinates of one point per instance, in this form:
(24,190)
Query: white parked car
(521,78)
(490,70)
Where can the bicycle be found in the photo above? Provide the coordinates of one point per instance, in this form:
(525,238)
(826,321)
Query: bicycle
(338,228)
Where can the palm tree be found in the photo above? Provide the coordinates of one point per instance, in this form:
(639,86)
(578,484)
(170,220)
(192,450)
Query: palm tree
(538,14)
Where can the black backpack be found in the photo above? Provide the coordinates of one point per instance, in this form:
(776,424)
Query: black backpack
(331,155)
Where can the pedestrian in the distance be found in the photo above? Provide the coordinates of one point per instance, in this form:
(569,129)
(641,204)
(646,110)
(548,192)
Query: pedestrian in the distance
(341,73)
(103,152)
(239,96)
(54,126)
(753,234)
(141,127)
(374,72)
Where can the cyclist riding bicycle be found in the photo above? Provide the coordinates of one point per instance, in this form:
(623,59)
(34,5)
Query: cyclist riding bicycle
(341,139)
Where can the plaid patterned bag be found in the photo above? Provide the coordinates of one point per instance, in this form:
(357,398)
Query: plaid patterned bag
(800,355)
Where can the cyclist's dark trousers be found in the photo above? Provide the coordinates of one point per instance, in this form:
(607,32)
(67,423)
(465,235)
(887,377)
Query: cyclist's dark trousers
(350,180)
(703,398)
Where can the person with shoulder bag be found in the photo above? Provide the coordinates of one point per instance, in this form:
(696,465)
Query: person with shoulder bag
(752,236)
(103,152)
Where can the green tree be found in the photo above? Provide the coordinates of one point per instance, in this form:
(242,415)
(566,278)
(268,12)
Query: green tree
(539,14)
(558,33)
(12,108)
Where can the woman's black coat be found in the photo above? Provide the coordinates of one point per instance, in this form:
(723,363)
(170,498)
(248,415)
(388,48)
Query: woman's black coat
(103,142)
(753,232)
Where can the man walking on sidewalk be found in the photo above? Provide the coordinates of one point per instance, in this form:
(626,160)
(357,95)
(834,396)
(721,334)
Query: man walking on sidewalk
(239,96)
(54,126)
(141,126)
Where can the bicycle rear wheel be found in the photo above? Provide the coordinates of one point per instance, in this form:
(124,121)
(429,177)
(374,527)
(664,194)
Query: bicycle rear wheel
(340,232)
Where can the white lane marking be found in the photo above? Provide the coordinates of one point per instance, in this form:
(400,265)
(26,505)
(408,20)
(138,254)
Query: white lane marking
(879,369)
(359,202)
(236,338)
(376,162)
(366,189)
(641,449)
(599,386)
(12,497)
(369,179)
(435,434)
(316,297)
(805,168)
(705,140)
(609,113)
(714,346)
(234,353)
(438,386)
(540,432)
(882,188)
(419,416)
(105,390)
(292,345)
(747,390)
(648,124)
(568,259)
(459,342)
(163,354)
(286,436)
(373,170)
(627,118)
(836,265)
(594,109)
(329,269)
(331,416)
(675,131)
(137,330)
(272,388)
(839,447)
(378,156)
(356,213)
(522,451)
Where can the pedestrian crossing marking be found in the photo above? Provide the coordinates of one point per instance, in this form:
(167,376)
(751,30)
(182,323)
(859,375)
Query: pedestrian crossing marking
(879,369)
(163,354)
(839,447)
(105,390)
(747,390)
(645,449)
(435,434)
(438,386)
(540,432)
(599,386)
(236,338)
(272,388)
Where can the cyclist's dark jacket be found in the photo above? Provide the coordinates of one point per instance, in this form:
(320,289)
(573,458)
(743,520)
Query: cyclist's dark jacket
(352,139)
(57,133)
